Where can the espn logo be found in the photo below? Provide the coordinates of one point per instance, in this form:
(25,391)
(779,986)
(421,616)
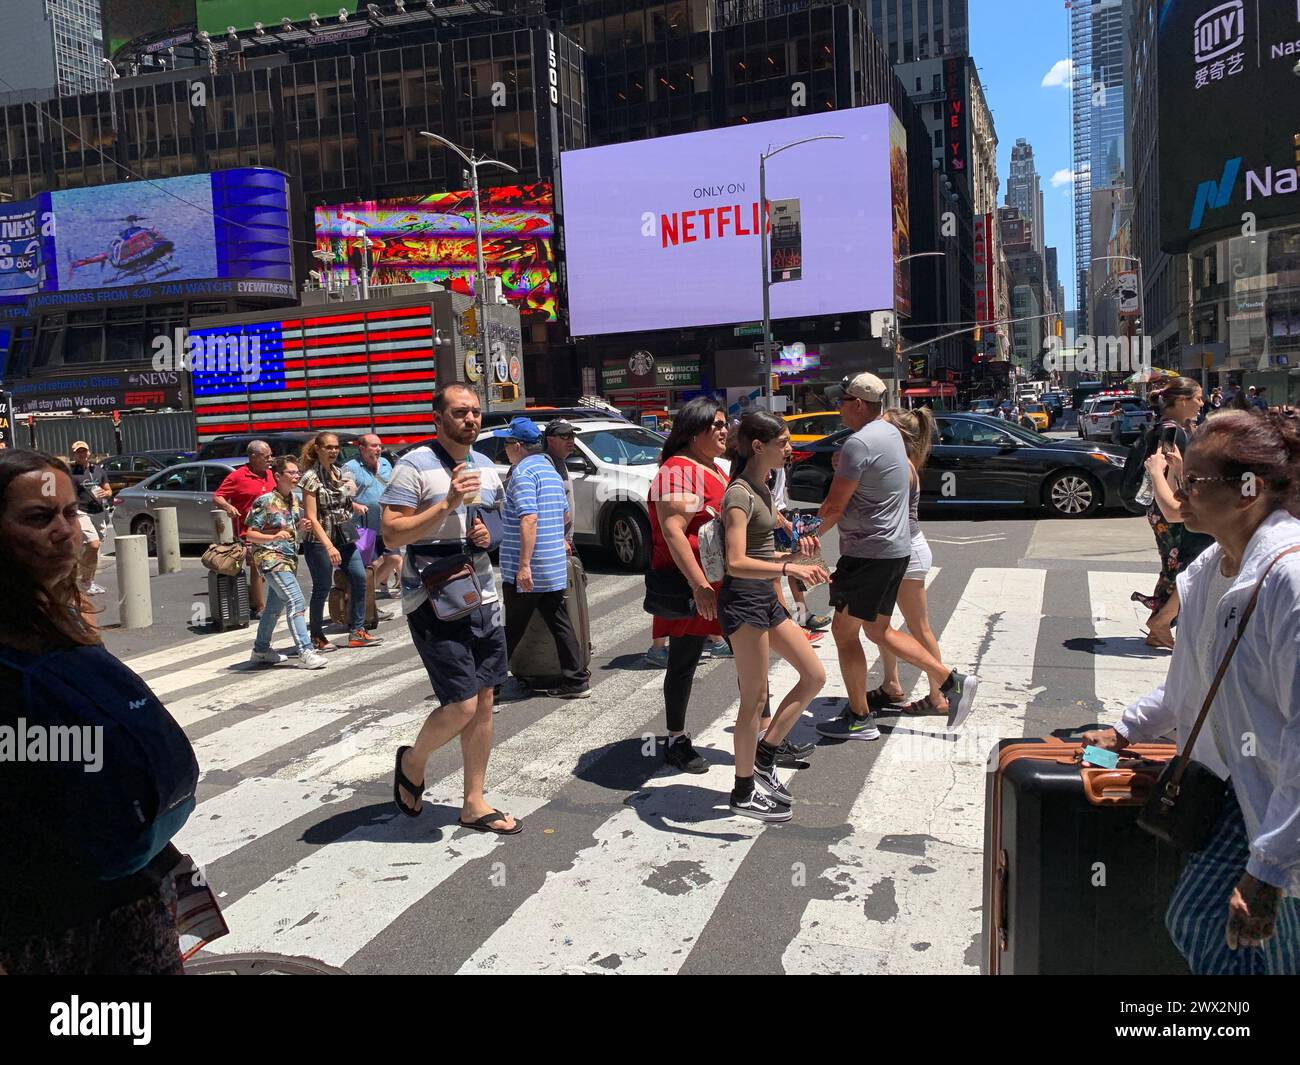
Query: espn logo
(1219,31)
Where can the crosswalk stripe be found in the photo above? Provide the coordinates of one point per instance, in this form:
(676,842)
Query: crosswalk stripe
(1125,666)
(929,788)
(907,878)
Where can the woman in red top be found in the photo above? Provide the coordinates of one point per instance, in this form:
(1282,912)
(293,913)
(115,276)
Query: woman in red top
(686,493)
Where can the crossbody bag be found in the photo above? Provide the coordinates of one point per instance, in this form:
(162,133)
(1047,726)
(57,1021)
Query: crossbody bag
(1184,805)
(452,582)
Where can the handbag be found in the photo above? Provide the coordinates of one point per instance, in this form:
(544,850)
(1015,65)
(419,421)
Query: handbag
(225,559)
(452,581)
(1184,805)
(345,533)
(668,595)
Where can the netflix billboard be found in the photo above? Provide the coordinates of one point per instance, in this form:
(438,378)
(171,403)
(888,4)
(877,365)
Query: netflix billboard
(662,233)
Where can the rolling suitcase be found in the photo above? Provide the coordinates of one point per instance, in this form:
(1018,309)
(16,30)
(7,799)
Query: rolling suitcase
(534,661)
(228,600)
(1071,883)
(341,594)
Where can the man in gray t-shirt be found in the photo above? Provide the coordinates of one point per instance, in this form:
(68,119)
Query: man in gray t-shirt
(874,523)
(868,500)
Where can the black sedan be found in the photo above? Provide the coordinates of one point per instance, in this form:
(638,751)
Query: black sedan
(980,461)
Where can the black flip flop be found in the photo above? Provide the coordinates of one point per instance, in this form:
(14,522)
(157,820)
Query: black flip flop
(484,824)
(924,705)
(400,782)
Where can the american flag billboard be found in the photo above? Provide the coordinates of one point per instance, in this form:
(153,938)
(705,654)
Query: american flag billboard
(350,370)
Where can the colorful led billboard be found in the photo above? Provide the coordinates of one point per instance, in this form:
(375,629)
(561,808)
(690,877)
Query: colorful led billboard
(431,238)
(216,15)
(661,233)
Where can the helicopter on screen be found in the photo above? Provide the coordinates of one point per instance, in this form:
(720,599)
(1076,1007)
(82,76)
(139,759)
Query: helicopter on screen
(138,251)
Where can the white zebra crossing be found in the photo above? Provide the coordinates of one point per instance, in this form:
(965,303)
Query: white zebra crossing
(1132,668)
(652,875)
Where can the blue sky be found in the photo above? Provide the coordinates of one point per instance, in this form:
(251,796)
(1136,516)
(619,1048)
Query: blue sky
(1017,45)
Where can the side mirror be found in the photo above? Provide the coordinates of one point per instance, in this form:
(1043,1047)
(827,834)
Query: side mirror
(1009,446)
(577,464)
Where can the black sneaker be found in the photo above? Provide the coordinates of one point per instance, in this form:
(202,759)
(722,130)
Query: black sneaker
(682,756)
(791,755)
(766,781)
(759,807)
(578,691)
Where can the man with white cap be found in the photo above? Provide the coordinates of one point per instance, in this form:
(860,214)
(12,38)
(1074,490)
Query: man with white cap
(91,483)
(868,500)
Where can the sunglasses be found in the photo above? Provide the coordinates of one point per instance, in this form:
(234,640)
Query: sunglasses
(719,426)
(1189,481)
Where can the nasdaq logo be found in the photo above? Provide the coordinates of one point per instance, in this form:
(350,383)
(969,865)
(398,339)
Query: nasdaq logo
(1214,194)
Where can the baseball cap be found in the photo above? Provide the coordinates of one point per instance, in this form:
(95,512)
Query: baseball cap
(523,431)
(559,427)
(864,386)
(77,445)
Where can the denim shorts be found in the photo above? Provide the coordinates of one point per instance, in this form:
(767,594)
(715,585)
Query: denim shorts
(746,601)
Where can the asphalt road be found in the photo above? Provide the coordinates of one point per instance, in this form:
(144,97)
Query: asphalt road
(624,866)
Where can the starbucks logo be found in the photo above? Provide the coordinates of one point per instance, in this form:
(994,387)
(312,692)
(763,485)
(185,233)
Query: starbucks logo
(641,363)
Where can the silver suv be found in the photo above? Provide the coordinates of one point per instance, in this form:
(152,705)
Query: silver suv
(611,467)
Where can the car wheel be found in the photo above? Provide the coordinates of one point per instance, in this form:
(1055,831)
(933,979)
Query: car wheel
(145,527)
(1071,494)
(629,536)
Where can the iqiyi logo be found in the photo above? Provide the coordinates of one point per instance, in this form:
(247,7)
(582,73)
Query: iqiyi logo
(1214,193)
(214,353)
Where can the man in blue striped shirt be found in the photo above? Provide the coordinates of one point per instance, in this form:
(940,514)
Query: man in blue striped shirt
(534,561)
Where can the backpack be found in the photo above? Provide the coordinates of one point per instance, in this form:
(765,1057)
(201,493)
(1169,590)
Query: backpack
(1135,464)
(120,816)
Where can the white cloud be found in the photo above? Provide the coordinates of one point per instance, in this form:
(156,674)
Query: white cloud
(1062,177)
(1061,76)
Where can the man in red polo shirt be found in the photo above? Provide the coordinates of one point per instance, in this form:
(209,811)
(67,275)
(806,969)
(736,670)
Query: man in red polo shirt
(236,495)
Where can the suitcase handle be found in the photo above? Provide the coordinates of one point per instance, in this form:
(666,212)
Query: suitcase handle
(1116,787)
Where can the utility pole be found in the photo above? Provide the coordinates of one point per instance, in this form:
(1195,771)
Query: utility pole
(762,250)
(474,161)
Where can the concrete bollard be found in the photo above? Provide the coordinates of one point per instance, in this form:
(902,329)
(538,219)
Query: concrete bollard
(168,538)
(134,603)
(223,526)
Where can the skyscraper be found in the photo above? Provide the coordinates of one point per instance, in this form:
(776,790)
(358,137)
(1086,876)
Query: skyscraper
(52,43)
(1098,46)
(1025,191)
(921,29)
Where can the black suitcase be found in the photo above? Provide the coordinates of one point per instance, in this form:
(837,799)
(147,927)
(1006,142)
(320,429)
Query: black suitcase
(228,600)
(534,661)
(1071,883)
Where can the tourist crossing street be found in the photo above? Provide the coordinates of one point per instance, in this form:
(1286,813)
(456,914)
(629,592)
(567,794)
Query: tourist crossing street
(628,866)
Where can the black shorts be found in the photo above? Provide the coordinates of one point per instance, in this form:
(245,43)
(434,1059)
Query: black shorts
(383,549)
(746,601)
(462,657)
(867,587)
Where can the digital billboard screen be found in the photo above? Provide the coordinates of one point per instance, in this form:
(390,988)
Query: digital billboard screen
(226,232)
(216,15)
(110,234)
(431,238)
(662,233)
(1227,86)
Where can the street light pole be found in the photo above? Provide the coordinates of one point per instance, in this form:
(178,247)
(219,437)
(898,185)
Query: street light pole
(474,161)
(762,250)
(1142,291)
(895,334)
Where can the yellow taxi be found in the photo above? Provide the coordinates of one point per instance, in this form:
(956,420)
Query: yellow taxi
(1039,415)
(805,428)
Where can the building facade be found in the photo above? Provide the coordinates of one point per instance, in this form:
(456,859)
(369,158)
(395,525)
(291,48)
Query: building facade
(921,29)
(1025,190)
(52,45)
(1099,50)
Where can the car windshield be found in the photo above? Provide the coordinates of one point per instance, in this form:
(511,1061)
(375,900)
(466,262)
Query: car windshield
(1028,435)
(632,446)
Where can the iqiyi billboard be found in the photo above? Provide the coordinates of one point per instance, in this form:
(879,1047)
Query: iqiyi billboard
(1229,82)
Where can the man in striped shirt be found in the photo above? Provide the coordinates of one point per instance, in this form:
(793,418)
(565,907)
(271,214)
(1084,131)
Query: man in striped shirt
(534,560)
